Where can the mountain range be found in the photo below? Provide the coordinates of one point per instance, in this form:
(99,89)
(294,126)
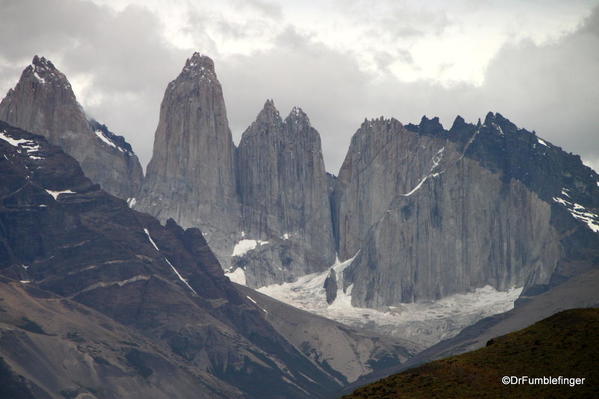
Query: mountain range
(101,300)
(424,236)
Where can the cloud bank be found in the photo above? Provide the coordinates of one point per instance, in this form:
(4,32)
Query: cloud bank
(341,62)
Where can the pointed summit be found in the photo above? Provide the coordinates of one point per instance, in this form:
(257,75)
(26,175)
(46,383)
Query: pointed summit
(489,118)
(41,63)
(269,114)
(458,123)
(191,176)
(283,189)
(297,115)
(199,61)
(200,67)
(43,102)
(498,122)
(431,126)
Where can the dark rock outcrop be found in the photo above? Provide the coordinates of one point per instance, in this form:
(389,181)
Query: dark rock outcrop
(65,238)
(191,176)
(43,102)
(330,286)
(284,194)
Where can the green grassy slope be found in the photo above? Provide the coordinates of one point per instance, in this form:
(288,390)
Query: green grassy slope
(565,344)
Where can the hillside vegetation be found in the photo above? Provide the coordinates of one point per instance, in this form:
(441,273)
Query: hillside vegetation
(565,344)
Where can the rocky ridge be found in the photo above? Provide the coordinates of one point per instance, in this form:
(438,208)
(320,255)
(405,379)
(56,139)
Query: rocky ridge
(264,206)
(431,212)
(43,101)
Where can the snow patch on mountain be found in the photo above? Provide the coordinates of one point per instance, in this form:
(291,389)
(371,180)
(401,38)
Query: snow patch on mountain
(245,245)
(580,212)
(150,239)
(184,280)
(29,146)
(108,141)
(237,276)
(55,194)
(425,323)
(180,276)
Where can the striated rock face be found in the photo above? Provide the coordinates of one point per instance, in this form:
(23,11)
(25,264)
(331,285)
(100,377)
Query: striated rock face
(422,212)
(383,160)
(283,190)
(134,303)
(43,101)
(191,176)
(435,212)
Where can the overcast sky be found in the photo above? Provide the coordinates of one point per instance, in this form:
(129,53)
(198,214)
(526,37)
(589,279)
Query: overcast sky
(536,61)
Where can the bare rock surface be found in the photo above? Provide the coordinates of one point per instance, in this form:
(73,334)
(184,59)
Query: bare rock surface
(43,101)
(431,212)
(191,176)
(284,194)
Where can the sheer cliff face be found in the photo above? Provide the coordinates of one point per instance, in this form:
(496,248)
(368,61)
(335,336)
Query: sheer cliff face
(191,176)
(431,212)
(283,189)
(43,101)
(383,160)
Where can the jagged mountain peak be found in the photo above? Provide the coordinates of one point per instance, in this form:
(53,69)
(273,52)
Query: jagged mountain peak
(269,114)
(298,118)
(499,122)
(458,123)
(43,102)
(194,153)
(44,71)
(490,118)
(110,138)
(201,61)
(379,122)
(432,125)
(199,66)
(42,63)
(297,115)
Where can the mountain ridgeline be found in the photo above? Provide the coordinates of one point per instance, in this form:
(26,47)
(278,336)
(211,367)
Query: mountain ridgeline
(423,211)
(140,303)
(43,102)
(431,212)
(270,193)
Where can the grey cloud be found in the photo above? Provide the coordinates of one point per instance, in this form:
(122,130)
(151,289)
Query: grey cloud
(123,53)
(266,8)
(552,89)
(396,19)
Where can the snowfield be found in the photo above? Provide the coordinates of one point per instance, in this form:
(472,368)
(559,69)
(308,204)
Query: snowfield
(245,245)
(424,323)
